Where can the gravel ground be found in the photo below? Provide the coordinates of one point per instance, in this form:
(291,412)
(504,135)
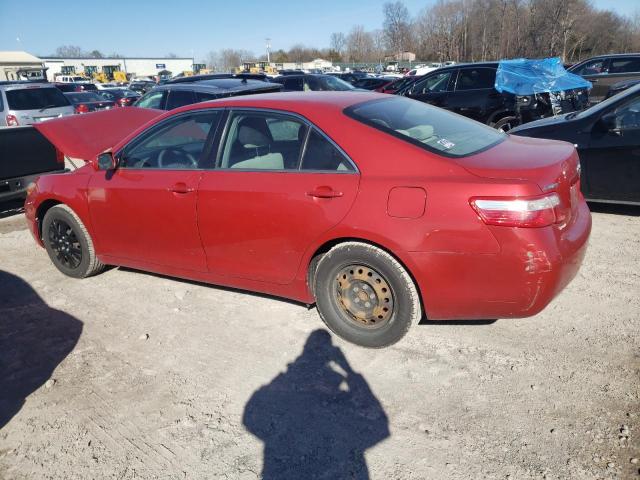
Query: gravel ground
(130,375)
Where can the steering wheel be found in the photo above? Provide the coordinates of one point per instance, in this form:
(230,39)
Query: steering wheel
(177,156)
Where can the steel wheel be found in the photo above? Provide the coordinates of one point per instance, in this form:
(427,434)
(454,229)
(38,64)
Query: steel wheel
(65,244)
(364,296)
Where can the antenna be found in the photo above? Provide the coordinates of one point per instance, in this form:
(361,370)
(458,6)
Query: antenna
(268,40)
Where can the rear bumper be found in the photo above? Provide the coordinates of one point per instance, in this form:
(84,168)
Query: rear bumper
(534,265)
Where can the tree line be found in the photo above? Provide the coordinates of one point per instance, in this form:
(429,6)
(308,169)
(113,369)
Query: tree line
(470,30)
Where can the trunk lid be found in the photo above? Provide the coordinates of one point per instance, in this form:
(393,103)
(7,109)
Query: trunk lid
(550,164)
(85,136)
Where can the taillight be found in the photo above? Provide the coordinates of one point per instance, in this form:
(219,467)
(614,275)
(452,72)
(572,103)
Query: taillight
(78,88)
(122,102)
(12,121)
(81,108)
(539,211)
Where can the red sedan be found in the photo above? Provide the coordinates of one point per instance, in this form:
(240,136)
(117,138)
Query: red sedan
(377,208)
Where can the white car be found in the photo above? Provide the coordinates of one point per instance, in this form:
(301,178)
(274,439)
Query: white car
(71,79)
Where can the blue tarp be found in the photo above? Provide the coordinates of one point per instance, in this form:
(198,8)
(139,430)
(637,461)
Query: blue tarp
(527,77)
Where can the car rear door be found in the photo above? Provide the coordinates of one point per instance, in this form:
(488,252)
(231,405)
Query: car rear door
(145,210)
(474,95)
(622,68)
(612,159)
(278,185)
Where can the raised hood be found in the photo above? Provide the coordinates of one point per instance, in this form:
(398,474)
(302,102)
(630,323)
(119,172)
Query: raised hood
(85,136)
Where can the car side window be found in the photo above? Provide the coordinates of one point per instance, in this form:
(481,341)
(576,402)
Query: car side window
(204,97)
(107,96)
(594,67)
(476,78)
(625,65)
(293,84)
(321,155)
(176,144)
(179,98)
(434,83)
(628,116)
(151,100)
(262,141)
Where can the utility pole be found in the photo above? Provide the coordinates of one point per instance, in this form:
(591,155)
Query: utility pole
(268,40)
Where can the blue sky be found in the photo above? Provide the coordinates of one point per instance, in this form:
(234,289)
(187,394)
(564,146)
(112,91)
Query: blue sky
(192,27)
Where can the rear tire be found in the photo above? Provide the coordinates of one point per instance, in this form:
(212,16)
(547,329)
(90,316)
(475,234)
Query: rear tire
(364,295)
(505,123)
(69,244)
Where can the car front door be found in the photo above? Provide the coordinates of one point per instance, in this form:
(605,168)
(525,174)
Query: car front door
(474,95)
(278,185)
(612,160)
(145,209)
(596,72)
(432,88)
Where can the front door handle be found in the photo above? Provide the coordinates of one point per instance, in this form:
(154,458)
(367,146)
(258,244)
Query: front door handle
(180,187)
(324,192)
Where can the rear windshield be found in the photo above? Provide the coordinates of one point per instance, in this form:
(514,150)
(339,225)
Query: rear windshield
(84,97)
(426,126)
(36,98)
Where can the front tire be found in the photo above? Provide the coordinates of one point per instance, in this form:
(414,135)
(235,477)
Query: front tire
(68,243)
(364,295)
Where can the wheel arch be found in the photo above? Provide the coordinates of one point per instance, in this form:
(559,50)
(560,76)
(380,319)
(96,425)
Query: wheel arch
(42,210)
(312,262)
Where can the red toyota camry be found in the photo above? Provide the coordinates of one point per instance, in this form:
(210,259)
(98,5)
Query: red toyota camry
(377,208)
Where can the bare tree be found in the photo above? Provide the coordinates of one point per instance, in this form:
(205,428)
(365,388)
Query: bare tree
(69,51)
(396,26)
(359,44)
(337,42)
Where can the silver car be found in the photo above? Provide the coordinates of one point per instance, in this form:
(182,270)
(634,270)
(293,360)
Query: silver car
(28,103)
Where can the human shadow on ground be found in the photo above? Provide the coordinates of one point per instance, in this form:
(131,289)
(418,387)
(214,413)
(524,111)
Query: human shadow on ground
(317,418)
(34,339)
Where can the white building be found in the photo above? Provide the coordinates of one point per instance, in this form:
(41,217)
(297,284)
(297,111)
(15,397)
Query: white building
(136,67)
(16,65)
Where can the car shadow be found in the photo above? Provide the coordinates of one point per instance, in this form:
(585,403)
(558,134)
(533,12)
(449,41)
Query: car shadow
(34,339)
(615,209)
(318,418)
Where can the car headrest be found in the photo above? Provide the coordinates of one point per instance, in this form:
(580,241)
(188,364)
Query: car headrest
(254,132)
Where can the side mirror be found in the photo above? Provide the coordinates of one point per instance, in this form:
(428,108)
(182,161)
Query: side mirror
(105,161)
(608,123)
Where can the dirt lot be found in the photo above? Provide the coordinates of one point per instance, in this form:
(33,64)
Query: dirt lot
(129,375)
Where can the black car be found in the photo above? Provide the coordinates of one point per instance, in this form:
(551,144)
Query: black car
(174,95)
(85,102)
(312,82)
(75,87)
(142,87)
(607,136)
(350,77)
(122,96)
(616,88)
(373,83)
(605,70)
(216,76)
(468,89)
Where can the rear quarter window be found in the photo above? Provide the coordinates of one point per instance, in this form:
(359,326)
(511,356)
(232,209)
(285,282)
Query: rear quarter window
(428,127)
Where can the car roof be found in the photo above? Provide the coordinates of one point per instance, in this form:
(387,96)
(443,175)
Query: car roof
(221,85)
(22,85)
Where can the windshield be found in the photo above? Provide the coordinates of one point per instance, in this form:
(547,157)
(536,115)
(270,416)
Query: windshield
(605,104)
(429,127)
(36,99)
(328,83)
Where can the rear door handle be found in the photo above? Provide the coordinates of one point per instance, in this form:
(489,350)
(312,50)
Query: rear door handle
(180,187)
(324,192)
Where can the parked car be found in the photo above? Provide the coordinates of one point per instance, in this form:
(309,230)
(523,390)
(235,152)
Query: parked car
(605,70)
(373,83)
(398,84)
(70,79)
(121,96)
(424,69)
(616,88)
(349,77)
(217,76)
(85,102)
(142,87)
(75,87)
(607,136)
(469,89)
(376,208)
(27,103)
(174,95)
(312,82)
